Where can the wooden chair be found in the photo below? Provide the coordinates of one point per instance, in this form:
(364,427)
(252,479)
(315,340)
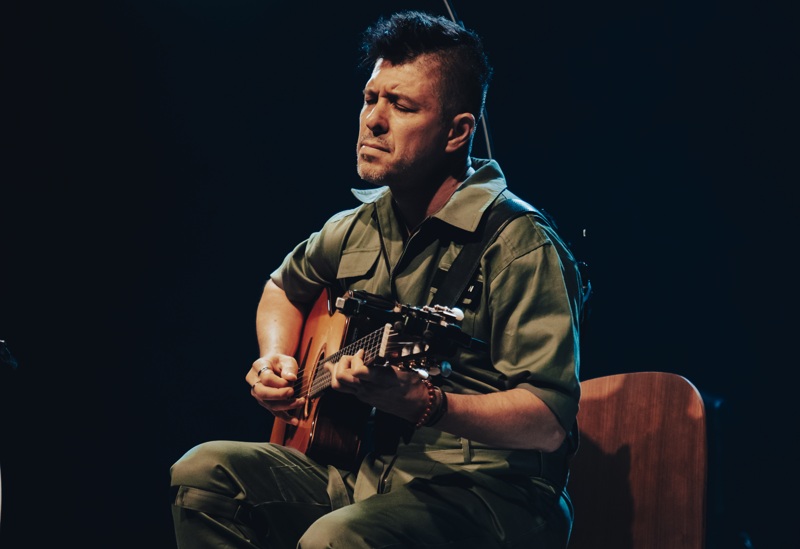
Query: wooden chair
(639,478)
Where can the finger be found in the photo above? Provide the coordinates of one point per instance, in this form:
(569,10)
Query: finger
(288,369)
(288,418)
(349,362)
(284,367)
(251,377)
(267,371)
(342,378)
(257,364)
(359,370)
(277,406)
(286,410)
(344,369)
(269,393)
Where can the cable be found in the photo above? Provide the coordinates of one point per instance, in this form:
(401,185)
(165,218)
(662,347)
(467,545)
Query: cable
(484,122)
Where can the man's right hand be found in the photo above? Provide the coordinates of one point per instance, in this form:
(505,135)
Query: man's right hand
(271,379)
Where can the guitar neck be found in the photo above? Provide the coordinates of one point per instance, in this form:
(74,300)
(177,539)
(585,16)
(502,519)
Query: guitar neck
(374,345)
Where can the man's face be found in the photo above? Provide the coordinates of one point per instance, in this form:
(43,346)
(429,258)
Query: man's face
(401,137)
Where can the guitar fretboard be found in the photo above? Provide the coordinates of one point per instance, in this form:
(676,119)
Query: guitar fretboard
(371,343)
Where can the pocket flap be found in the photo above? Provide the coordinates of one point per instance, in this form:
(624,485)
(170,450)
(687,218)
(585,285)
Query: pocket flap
(356,263)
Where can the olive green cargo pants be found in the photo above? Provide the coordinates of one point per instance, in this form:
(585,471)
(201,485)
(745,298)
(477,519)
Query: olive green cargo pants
(260,495)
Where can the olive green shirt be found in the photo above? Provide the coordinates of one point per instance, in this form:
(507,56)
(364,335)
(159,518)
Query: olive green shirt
(524,311)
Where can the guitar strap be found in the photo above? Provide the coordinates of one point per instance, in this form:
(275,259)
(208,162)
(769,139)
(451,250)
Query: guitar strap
(456,285)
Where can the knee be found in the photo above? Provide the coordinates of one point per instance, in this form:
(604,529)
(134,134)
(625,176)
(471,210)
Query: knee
(198,466)
(334,530)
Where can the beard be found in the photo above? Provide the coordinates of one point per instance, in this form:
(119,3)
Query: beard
(370,172)
(381,171)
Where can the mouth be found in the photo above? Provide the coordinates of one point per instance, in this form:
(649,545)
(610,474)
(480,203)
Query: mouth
(373,145)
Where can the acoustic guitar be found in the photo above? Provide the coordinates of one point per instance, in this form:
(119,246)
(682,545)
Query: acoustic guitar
(332,423)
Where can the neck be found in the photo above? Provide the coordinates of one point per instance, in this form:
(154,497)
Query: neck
(419,204)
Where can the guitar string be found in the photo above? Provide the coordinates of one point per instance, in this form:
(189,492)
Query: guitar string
(370,343)
(374,341)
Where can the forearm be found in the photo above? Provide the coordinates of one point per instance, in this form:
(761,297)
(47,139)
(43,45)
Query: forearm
(507,419)
(278,322)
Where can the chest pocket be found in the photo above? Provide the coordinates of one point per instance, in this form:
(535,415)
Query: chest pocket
(356,265)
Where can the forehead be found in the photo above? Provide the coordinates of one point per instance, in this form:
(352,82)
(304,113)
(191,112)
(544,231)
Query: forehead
(417,77)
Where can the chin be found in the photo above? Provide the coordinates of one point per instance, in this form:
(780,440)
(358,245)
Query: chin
(370,174)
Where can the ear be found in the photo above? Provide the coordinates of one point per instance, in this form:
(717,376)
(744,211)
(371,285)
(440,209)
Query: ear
(461,130)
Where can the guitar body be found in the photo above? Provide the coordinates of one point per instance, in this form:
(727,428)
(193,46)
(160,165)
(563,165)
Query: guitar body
(331,423)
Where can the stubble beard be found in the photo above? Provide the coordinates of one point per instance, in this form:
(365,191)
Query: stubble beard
(401,174)
(378,173)
(369,172)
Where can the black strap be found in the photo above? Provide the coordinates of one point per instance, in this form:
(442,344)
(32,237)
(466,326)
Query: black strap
(450,290)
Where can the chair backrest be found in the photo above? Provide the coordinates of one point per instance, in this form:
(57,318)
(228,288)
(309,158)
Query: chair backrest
(639,478)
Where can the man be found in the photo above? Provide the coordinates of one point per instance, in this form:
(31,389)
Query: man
(475,459)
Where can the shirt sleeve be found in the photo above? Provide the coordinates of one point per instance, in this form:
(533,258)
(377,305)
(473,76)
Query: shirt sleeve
(314,262)
(534,337)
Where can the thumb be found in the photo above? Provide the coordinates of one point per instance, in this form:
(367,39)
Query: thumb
(288,367)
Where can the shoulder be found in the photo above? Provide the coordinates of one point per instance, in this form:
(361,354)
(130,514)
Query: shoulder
(338,227)
(526,238)
(521,226)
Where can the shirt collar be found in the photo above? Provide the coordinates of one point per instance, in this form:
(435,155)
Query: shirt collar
(467,205)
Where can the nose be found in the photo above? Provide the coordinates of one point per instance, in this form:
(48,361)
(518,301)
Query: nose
(374,117)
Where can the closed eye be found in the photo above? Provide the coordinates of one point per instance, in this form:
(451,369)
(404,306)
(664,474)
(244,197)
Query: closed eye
(370,99)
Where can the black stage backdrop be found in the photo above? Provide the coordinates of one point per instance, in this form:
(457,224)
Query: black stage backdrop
(160,159)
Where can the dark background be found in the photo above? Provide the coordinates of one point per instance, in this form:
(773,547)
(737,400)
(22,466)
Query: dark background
(160,159)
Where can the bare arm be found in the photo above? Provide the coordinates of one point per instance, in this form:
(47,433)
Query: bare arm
(279,324)
(508,419)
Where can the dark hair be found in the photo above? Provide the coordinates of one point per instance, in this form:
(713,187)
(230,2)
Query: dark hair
(405,35)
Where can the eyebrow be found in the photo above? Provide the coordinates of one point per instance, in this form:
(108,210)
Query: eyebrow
(393,96)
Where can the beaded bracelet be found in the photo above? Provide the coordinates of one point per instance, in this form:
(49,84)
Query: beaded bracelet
(432,414)
(441,410)
(429,406)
